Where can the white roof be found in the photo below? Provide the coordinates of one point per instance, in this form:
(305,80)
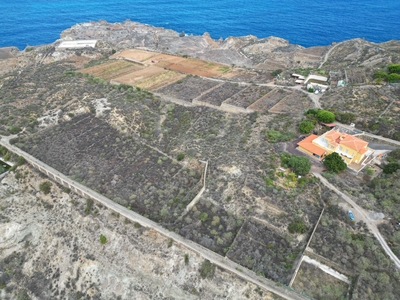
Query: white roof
(78,44)
(316,77)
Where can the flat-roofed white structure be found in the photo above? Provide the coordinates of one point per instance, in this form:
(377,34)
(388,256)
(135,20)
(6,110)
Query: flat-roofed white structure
(316,77)
(77,44)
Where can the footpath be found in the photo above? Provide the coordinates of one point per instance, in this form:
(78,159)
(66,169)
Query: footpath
(218,260)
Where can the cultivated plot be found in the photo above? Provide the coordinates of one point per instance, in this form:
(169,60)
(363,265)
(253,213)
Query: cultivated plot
(248,96)
(269,100)
(188,88)
(221,93)
(112,69)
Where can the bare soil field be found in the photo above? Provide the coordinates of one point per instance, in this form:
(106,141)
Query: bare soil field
(295,103)
(221,93)
(263,250)
(159,80)
(135,54)
(248,96)
(177,63)
(269,100)
(315,283)
(139,75)
(112,69)
(188,88)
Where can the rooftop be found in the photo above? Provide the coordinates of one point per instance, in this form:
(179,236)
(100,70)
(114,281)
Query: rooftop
(308,145)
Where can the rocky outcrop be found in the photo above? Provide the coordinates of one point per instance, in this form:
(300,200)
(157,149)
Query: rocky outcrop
(50,249)
(242,51)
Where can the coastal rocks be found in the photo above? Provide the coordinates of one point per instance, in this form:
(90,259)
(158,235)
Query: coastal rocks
(241,51)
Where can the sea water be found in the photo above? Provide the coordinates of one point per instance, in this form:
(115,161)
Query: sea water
(307,22)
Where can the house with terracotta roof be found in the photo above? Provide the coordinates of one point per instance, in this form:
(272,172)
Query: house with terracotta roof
(352,149)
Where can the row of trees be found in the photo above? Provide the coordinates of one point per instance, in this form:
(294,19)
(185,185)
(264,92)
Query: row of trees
(392,74)
(313,116)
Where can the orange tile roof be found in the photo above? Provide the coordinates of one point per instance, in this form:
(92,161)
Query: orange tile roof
(354,143)
(336,137)
(332,134)
(308,145)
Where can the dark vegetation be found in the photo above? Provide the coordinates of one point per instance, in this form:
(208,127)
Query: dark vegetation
(391,75)
(315,283)
(334,163)
(352,248)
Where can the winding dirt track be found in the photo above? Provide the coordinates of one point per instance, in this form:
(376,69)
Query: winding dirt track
(364,216)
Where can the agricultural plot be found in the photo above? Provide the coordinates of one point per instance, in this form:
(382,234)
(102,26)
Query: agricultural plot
(188,88)
(210,226)
(112,69)
(135,54)
(221,93)
(263,250)
(269,100)
(142,74)
(295,103)
(313,282)
(90,151)
(176,63)
(248,96)
(157,80)
(354,249)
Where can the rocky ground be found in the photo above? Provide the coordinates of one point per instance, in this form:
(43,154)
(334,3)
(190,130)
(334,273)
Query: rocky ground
(50,249)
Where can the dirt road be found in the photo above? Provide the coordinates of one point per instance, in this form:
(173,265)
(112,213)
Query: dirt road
(215,258)
(362,215)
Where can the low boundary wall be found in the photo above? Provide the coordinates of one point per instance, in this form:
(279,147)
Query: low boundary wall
(213,257)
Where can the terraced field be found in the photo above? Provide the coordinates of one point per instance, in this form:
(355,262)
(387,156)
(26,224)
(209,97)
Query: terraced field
(221,93)
(188,88)
(248,96)
(295,103)
(269,100)
(112,69)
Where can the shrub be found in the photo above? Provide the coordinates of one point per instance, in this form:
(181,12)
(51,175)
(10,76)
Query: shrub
(276,72)
(45,187)
(347,117)
(89,205)
(203,216)
(391,168)
(274,136)
(20,160)
(180,156)
(170,242)
(325,116)
(186,259)
(207,269)
(393,77)
(299,164)
(14,129)
(103,239)
(310,90)
(306,127)
(394,68)
(334,163)
(297,226)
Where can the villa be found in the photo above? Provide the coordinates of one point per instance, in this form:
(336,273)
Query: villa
(353,150)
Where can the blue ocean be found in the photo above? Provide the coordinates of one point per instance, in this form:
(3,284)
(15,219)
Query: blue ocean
(308,22)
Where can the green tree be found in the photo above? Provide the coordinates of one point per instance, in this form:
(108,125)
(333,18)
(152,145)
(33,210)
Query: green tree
(391,168)
(306,127)
(394,68)
(299,164)
(325,116)
(45,187)
(334,163)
